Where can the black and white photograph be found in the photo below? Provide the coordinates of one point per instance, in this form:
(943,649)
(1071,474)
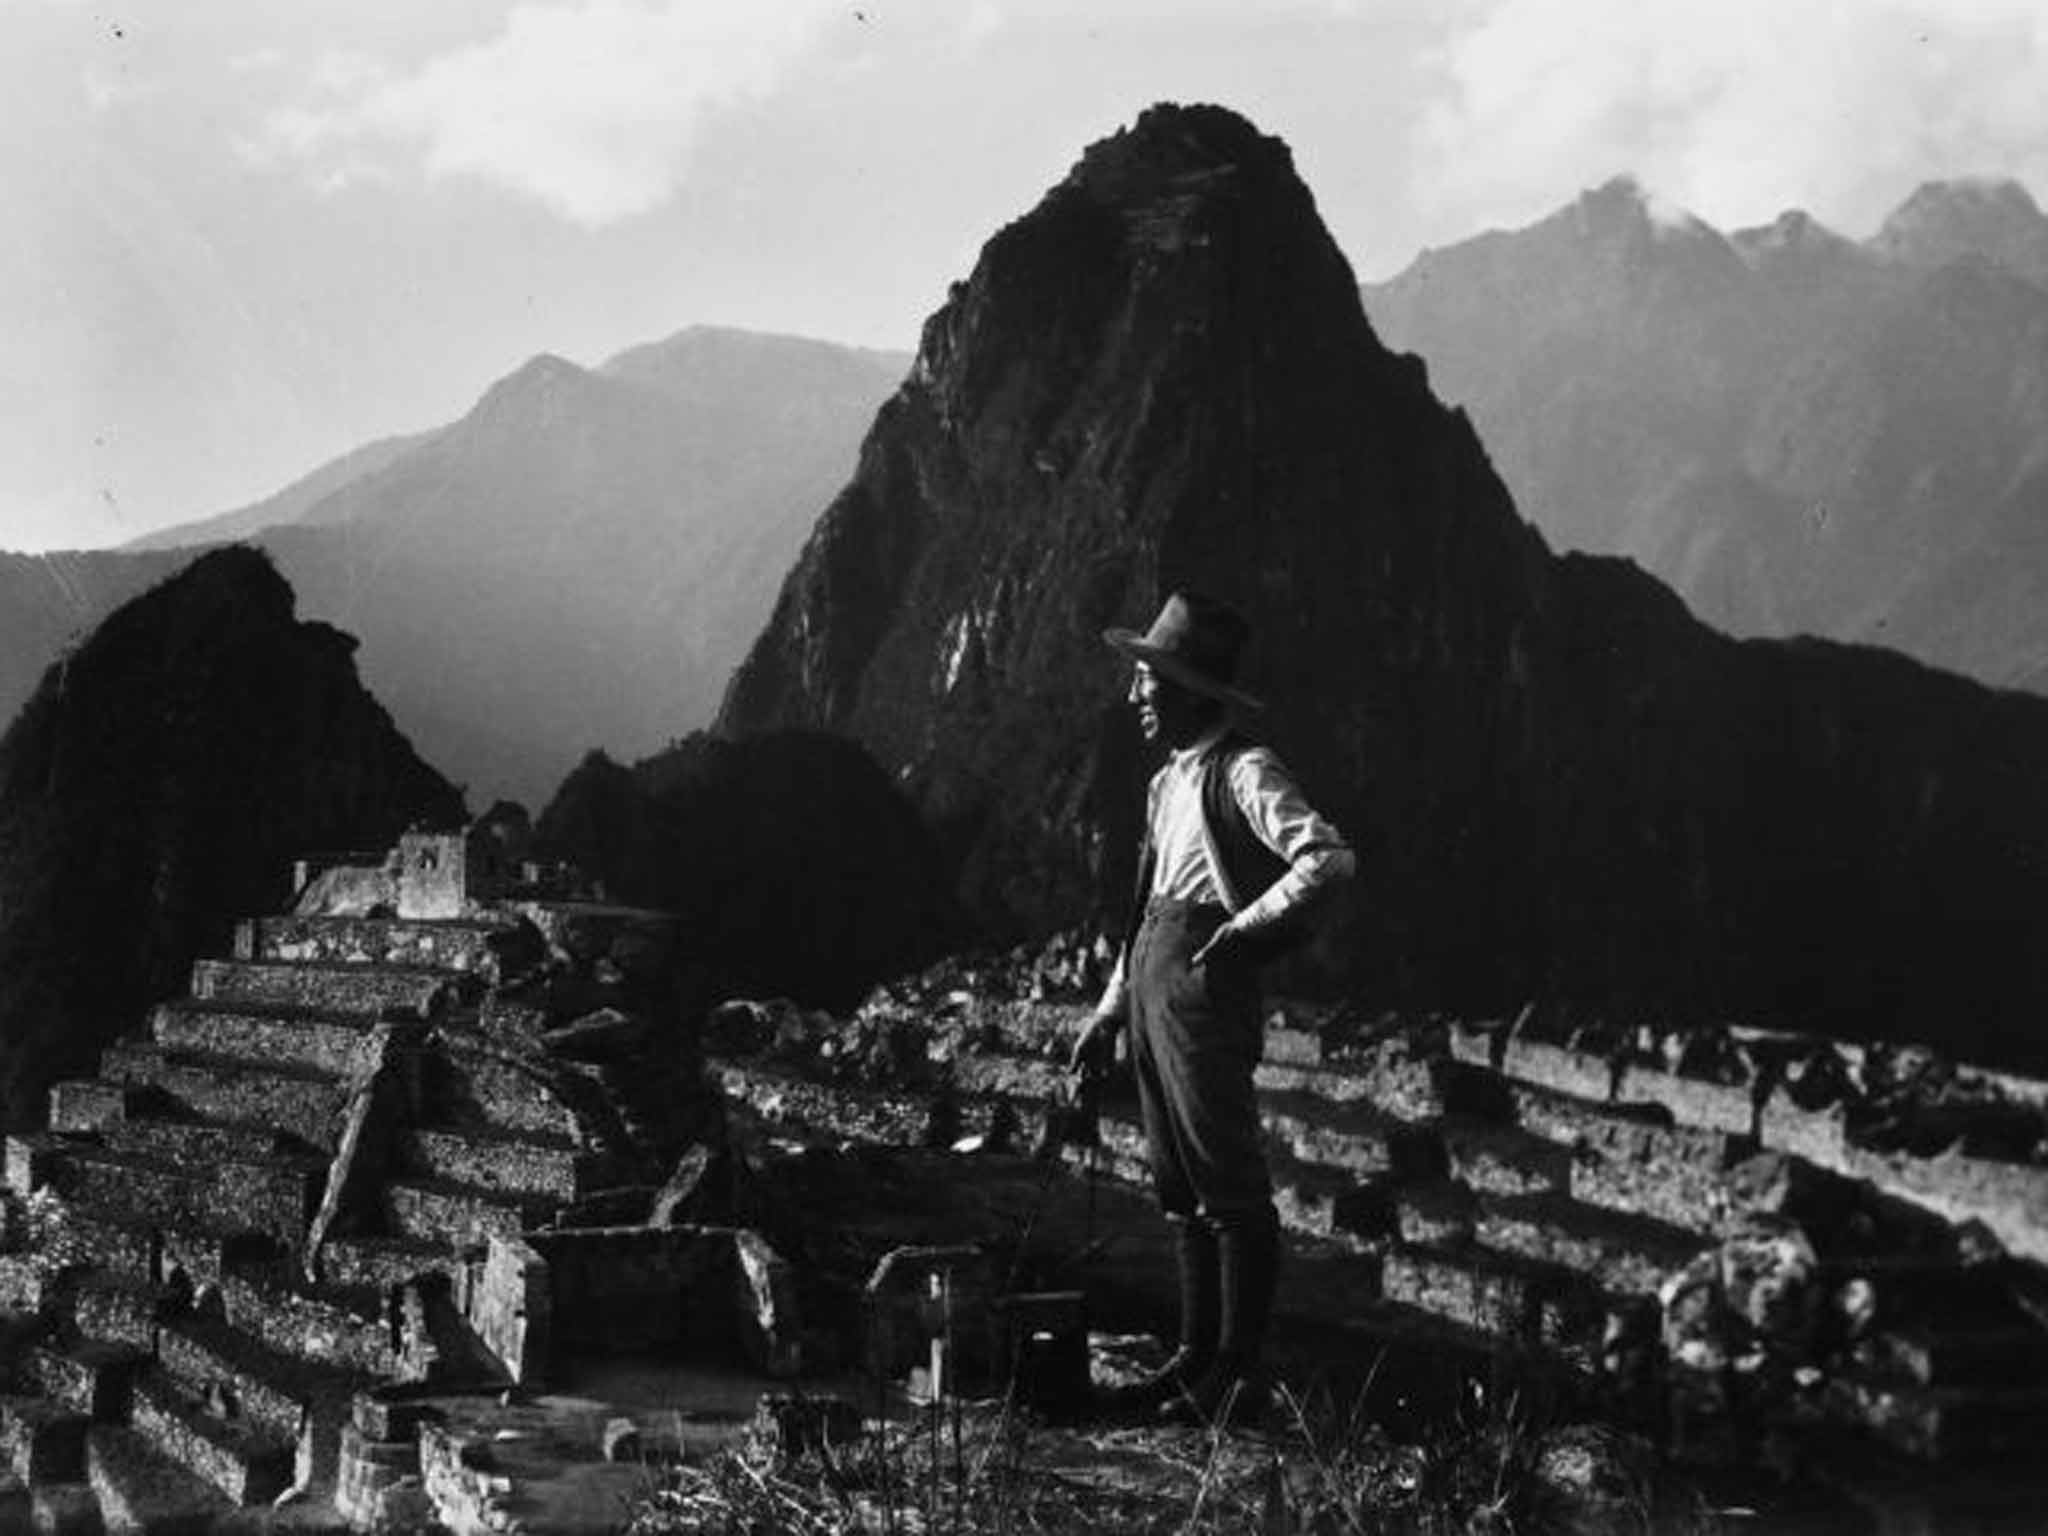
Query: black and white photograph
(928,767)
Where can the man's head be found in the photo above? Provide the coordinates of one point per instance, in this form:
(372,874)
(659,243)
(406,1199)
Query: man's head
(1185,665)
(1169,712)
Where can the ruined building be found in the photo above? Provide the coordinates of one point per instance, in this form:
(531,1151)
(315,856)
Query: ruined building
(402,1141)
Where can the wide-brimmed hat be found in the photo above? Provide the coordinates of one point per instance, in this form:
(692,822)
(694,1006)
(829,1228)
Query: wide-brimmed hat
(1195,642)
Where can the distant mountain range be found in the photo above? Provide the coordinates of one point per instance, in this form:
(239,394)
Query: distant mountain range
(577,563)
(1800,432)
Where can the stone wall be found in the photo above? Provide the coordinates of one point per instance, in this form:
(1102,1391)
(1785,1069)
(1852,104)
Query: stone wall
(708,1291)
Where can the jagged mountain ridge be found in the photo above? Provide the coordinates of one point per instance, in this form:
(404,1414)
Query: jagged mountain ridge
(1799,432)
(158,785)
(578,562)
(1563,786)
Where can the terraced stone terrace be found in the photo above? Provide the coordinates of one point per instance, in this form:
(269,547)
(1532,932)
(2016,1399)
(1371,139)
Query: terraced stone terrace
(278,1203)
(364,1227)
(1686,1232)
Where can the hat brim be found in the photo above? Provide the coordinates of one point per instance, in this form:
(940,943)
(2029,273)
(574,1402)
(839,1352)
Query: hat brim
(1129,643)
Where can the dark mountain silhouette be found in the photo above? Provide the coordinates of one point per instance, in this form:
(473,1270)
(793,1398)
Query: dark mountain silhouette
(578,562)
(1799,433)
(799,869)
(50,600)
(158,785)
(1562,785)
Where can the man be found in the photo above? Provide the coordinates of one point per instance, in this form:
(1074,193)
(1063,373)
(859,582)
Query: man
(1233,859)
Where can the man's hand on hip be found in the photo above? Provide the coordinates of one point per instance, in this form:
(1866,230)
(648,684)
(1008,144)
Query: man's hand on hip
(1219,945)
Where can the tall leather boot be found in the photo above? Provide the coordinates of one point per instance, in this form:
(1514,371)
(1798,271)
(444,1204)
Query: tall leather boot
(1201,1297)
(1234,1390)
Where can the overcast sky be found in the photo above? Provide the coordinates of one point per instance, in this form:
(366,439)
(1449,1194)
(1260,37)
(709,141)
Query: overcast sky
(238,237)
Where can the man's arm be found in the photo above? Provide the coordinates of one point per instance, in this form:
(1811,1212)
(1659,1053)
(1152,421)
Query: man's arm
(1095,1047)
(1318,858)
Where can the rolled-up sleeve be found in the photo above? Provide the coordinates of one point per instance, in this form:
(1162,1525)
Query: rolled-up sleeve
(1317,856)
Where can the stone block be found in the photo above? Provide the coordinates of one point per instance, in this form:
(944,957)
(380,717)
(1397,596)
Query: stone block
(1476,1044)
(1337,1085)
(346,1329)
(390,1416)
(363,992)
(1436,1214)
(1558,1068)
(1696,1102)
(1626,1253)
(249,1463)
(333,1046)
(1818,1135)
(120,1309)
(32,1160)
(1294,1046)
(87,1104)
(28,1283)
(92,1378)
(304,1102)
(454,1213)
(368,1471)
(1353,1137)
(1474,1292)
(1671,1173)
(519,1164)
(1504,1159)
(2010,1199)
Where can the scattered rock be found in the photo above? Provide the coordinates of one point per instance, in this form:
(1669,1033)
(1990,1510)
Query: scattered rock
(1596,1480)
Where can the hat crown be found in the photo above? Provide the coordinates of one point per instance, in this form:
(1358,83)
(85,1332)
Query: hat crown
(1200,633)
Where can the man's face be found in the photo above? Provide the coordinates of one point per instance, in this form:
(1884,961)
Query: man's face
(1167,712)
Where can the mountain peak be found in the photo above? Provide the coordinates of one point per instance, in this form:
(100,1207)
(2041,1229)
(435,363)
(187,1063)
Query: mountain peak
(1170,142)
(538,390)
(1794,238)
(1993,219)
(1623,204)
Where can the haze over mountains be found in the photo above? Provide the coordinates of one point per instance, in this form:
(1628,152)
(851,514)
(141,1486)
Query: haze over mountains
(577,562)
(1800,432)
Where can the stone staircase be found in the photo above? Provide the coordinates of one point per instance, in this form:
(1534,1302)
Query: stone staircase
(1473,1187)
(262,1206)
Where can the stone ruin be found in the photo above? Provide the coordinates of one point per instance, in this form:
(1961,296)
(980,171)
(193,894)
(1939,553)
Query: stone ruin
(328,1232)
(399,1150)
(1757,1249)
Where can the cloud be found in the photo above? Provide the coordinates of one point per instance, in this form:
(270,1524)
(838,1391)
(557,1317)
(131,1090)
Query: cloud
(591,107)
(1736,108)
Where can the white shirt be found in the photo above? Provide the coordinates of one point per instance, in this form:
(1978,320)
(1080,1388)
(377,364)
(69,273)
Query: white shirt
(1186,866)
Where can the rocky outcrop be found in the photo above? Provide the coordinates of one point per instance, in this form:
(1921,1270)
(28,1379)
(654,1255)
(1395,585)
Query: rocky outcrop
(794,864)
(164,773)
(1562,785)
